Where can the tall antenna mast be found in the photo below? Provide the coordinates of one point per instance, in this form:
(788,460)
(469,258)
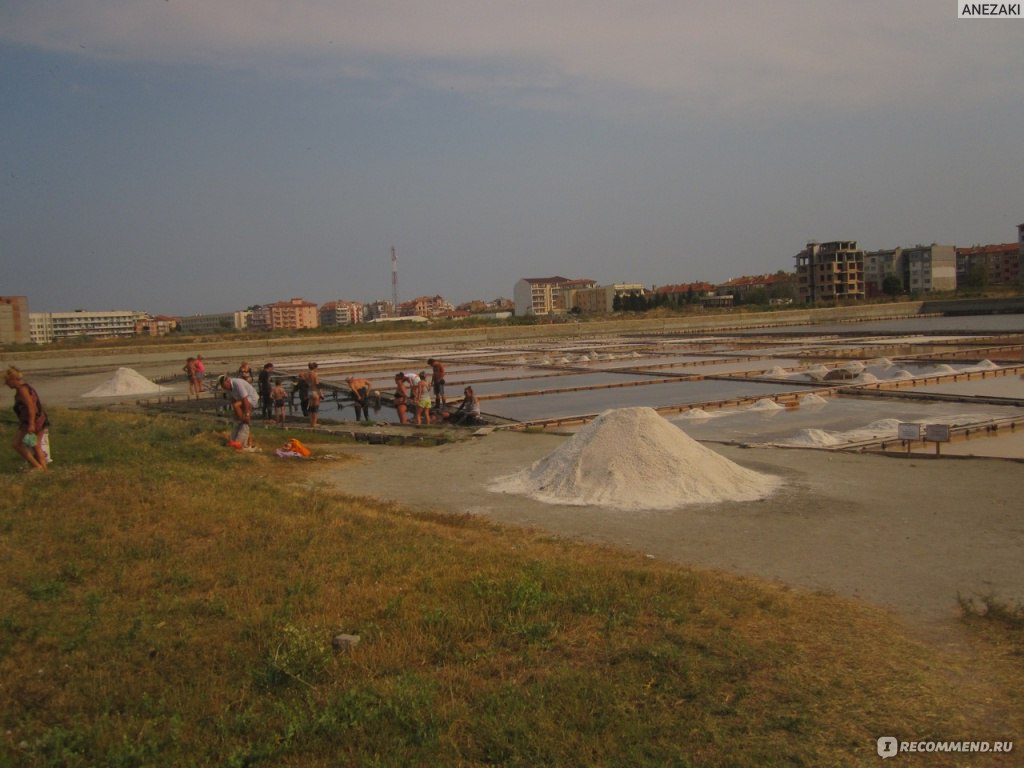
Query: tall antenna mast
(394,281)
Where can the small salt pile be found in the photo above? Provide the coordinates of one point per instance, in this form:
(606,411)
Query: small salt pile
(633,459)
(694,414)
(812,399)
(816,372)
(984,365)
(126,381)
(812,438)
(767,405)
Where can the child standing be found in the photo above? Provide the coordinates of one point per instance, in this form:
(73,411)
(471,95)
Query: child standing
(279,397)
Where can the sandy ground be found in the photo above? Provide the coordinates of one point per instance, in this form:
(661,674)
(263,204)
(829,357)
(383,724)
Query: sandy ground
(908,534)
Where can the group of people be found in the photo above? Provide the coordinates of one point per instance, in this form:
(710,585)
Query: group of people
(425,393)
(419,397)
(271,397)
(415,389)
(195,371)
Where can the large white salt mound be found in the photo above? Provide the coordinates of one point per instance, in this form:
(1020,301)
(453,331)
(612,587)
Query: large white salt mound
(633,459)
(767,404)
(126,381)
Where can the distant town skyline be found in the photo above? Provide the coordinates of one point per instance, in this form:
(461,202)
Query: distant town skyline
(185,158)
(1017,249)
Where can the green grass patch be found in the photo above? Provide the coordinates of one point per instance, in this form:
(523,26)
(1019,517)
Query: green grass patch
(167,601)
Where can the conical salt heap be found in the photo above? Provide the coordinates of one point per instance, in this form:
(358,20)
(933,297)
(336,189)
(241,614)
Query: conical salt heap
(126,381)
(633,459)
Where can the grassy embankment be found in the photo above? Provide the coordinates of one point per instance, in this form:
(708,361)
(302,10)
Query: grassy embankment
(165,601)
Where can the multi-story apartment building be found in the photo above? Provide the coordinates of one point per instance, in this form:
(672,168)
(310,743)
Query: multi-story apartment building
(335,313)
(155,325)
(293,315)
(425,306)
(571,289)
(547,295)
(929,268)
(879,265)
(45,327)
(381,309)
(601,298)
(539,295)
(830,271)
(14,320)
(217,322)
(998,264)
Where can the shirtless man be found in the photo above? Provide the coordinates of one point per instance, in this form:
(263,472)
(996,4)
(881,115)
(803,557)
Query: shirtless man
(437,382)
(361,396)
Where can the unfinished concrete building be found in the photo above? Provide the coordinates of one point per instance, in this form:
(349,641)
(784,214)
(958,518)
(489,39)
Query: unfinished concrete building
(830,272)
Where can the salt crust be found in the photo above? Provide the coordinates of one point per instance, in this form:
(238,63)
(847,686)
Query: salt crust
(632,459)
(883,429)
(126,381)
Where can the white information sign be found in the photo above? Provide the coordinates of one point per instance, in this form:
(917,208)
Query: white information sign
(908,431)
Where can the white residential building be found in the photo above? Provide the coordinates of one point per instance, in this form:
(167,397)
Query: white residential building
(45,327)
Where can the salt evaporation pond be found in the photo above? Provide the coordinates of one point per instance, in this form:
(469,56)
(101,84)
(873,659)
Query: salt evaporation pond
(833,415)
(565,404)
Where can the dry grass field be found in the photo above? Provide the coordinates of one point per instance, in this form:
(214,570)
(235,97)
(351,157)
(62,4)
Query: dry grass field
(167,601)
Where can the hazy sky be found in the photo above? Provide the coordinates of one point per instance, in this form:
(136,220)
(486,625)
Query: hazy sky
(184,156)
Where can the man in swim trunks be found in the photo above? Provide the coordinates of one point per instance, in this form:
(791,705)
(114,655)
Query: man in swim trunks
(437,382)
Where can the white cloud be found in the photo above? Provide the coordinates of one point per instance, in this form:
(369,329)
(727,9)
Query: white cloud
(681,55)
